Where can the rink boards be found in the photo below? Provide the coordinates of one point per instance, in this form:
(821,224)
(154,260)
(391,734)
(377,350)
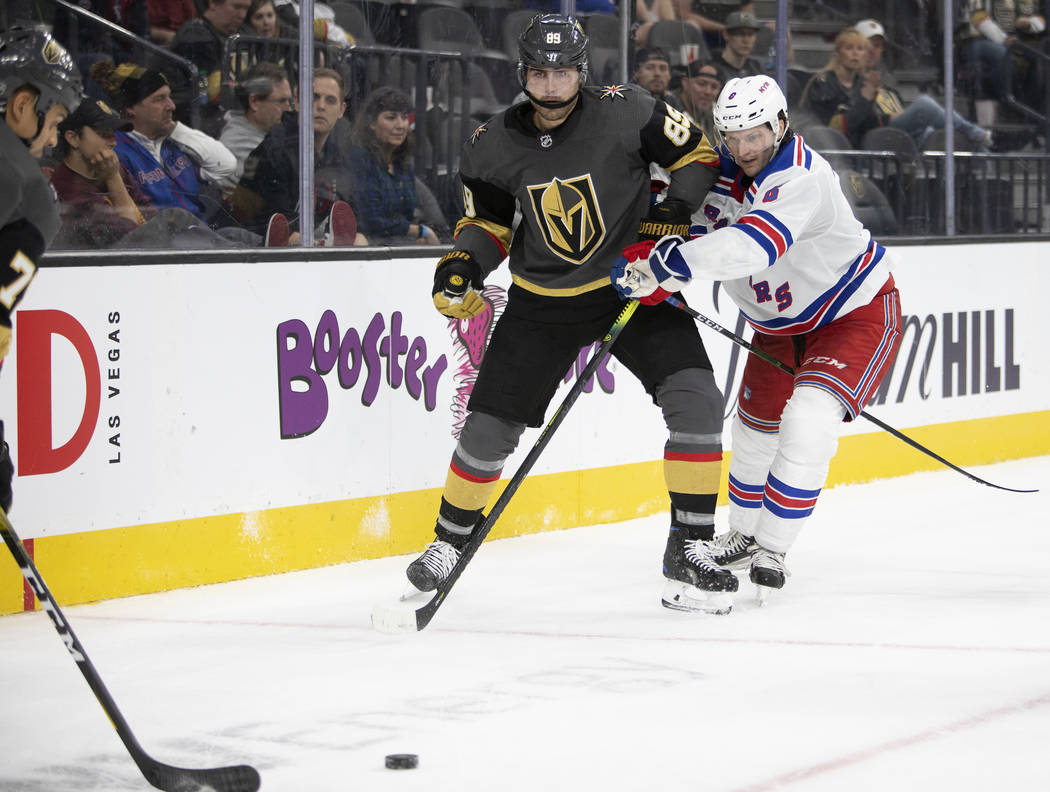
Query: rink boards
(177,424)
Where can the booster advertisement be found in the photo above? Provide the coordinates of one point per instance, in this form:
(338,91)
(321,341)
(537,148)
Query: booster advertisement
(137,394)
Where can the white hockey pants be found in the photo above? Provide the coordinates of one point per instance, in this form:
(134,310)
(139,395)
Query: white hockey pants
(788,467)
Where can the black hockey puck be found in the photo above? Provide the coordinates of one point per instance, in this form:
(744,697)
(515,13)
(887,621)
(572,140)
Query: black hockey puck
(402,761)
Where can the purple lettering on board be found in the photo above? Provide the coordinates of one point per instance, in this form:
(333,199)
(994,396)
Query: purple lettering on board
(304,409)
(304,358)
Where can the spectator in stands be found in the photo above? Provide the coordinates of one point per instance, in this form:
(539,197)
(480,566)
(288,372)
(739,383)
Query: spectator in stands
(711,28)
(924,114)
(652,71)
(100,201)
(384,179)
(167,16)
(84,39)
(700,87)
(735,60)
(986,46)
(270,183)
(286,22)
(264,94)
(266,22)
(101,205)
(174,166)
(848,96)
(647,13)
(201,41)
(262,17)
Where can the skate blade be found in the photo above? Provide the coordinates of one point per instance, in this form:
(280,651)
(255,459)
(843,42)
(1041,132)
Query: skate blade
(399,617)
(689,599)
(763,594)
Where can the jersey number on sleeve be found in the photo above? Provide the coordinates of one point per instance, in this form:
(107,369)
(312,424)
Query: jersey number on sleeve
(676,126)
(24,269)
(468,202)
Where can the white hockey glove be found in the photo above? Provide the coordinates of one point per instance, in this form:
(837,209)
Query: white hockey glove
(651,272)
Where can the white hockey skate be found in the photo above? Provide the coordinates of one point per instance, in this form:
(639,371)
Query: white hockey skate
(695,583)
(733,550)
(768,572)
(681,596)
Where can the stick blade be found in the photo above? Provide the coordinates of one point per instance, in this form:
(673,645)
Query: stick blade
(402,615)
(238,778)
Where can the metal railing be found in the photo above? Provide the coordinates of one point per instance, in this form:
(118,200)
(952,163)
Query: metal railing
(994,193)
(85,25)
(451,91)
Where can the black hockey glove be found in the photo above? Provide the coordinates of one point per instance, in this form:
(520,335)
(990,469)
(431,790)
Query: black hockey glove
(7,472)
(668,218)
(457,285)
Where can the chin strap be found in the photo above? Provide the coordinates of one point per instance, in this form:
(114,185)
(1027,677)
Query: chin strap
(551,105)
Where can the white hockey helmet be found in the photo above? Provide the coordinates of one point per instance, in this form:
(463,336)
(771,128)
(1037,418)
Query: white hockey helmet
(747,102)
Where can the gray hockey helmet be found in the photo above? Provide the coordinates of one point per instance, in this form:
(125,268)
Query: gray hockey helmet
(33,57)
(552,41)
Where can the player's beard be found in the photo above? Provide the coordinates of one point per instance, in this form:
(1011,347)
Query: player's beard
(550,117)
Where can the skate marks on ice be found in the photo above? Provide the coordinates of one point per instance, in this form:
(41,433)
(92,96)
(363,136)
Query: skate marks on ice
(900,645)
(333,735)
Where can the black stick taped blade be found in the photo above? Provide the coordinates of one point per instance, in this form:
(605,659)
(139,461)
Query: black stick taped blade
(240,778)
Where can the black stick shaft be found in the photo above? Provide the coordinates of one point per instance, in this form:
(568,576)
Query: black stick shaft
(223,779)
(864,414)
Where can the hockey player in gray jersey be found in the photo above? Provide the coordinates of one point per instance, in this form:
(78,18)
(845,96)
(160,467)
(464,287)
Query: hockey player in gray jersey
(574,160)
(36,73)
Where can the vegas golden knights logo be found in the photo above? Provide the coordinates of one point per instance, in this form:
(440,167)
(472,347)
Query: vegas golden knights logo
(567,213)
(51,52)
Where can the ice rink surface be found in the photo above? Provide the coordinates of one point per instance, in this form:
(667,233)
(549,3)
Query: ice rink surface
(910,650)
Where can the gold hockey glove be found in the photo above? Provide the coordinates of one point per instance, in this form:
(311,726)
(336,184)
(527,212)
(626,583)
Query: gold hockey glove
(457,285)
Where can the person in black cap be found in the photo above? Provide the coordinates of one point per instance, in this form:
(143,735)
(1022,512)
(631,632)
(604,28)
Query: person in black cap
(100,202)
(700,86)
(652,71)
(741,33)
(174,163)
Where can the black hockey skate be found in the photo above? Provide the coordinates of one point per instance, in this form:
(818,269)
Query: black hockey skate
(767,571)
(694,581)
(428,571)
(733,550)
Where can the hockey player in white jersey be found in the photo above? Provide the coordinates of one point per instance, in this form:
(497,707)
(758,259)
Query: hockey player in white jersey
(778,232)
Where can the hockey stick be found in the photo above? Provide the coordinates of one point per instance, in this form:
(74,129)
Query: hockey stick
(784,367)
(392,619)
(241,778)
